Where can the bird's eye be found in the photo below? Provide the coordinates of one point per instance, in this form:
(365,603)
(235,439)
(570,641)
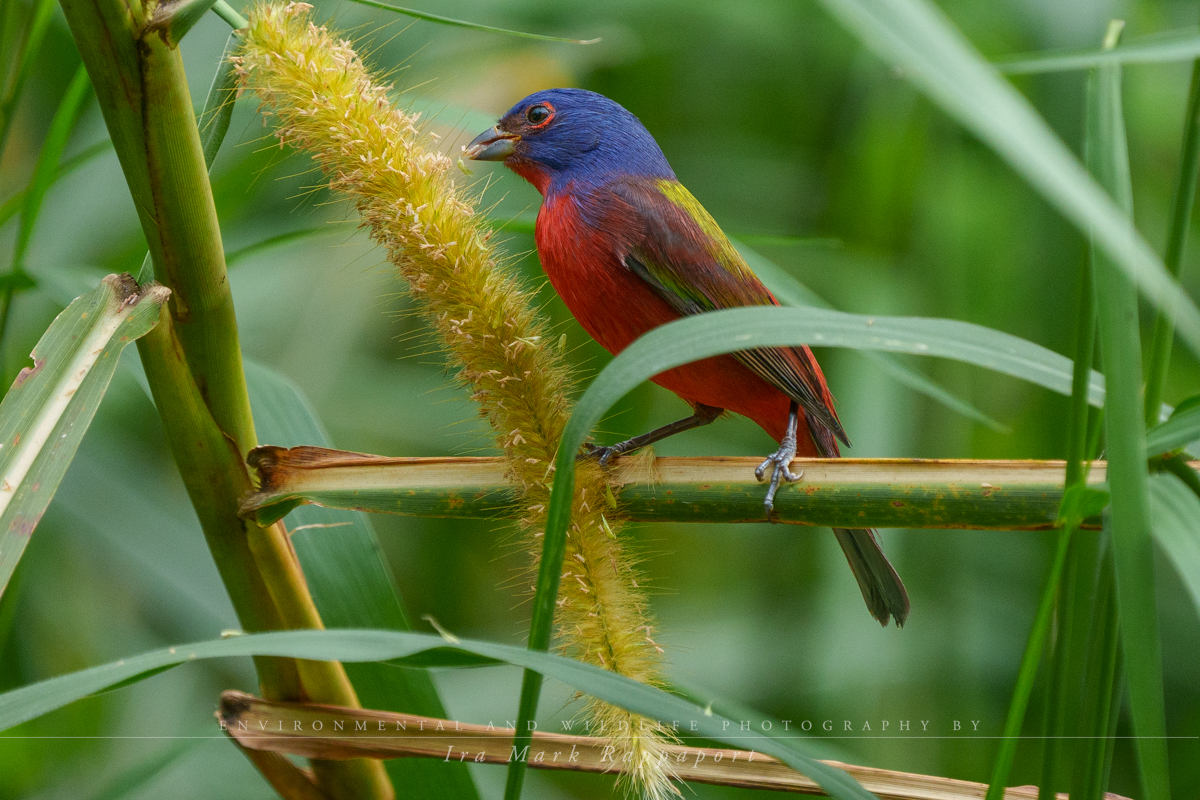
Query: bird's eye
(539,114)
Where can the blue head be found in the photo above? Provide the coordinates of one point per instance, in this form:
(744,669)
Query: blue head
(558,136)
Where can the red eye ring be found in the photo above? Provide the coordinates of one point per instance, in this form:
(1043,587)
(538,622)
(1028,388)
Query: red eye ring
(539,115)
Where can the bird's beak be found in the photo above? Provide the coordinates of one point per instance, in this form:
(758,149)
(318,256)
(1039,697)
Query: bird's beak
(492,145)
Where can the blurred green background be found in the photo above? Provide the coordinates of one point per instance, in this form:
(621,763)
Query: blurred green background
(782,125)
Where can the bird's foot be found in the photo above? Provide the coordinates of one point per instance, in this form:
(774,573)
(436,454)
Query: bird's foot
(780,463)
(602,454)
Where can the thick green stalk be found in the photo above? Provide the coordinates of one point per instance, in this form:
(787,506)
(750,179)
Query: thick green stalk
(194,365)
(1181,217)
(1125,433)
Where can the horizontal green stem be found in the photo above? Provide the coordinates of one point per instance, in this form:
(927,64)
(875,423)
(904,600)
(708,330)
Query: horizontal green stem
(891,493)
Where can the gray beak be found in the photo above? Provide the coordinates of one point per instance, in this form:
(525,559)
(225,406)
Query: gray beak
(492,145)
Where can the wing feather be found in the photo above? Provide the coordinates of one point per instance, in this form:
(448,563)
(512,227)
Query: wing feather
(684,256)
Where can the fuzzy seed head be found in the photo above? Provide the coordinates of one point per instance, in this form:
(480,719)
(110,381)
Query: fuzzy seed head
(326,103)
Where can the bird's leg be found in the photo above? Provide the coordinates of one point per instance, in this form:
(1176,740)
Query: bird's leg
(703,416)
(781,460)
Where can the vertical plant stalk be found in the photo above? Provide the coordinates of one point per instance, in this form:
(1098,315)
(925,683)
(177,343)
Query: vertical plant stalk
(1181,217)
(1125,434)
(193,357)
(330,106)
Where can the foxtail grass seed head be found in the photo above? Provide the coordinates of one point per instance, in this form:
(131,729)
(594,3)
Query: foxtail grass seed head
(327,104)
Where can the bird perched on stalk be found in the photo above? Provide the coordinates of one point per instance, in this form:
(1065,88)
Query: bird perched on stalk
(628,248)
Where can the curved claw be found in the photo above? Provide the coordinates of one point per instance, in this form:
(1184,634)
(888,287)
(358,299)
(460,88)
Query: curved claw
(601,454)
(780,462)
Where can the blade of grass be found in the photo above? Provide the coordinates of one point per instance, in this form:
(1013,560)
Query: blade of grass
(1176,513)
(1063,687)
(1027,673)
(1161,47)
(1181,217)
(403,649)
(44,416)
(475,26)
(790,291)
(43,175)
(15,202)
(1100,705)
(27,47)
(706,335)
(1120,351)
(1179,431)
(914,37)
(353,587)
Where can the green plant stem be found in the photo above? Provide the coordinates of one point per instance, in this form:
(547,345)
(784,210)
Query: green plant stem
(1101,690)
(1120,347)
(1027,672)
(194,364)
(1181,217)
(226,12)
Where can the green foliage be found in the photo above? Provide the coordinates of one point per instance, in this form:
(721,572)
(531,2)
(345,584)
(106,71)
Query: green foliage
(778,124)
(48,409)
(431,650)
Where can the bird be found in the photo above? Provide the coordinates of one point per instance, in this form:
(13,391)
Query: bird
(628,249)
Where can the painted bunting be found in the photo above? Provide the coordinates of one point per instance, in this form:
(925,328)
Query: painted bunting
(628,248)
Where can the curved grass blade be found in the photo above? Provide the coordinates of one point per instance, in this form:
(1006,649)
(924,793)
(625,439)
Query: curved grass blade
(475,26)
(1176,514)
(1181,217)
(352,586)
(914,37)
(1162,47)
(46,170)
(1181,430)
(47,411)
(13,204)
(1125,435)
(790,291)
(270,243)
(705,335)
(28,45)
(213,121)
(28,702)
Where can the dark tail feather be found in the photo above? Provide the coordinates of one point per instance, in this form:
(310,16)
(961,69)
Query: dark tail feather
(881,586)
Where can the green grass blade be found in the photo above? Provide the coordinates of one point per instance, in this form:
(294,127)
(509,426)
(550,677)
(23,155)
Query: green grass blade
(353,587)
(1181,217)
(790,291)
(702,336)
(213,121)
(1100,706)
(475,26)
(46,170)
(400,648)
(16,201)
(45,414)
(1128,477)
(1176,514)
(28,46)
(291,237)
(1027,673)
(1161,47)
(914,37)
(1181,430)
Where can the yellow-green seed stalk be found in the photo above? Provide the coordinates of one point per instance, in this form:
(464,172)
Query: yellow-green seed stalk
(327,104)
